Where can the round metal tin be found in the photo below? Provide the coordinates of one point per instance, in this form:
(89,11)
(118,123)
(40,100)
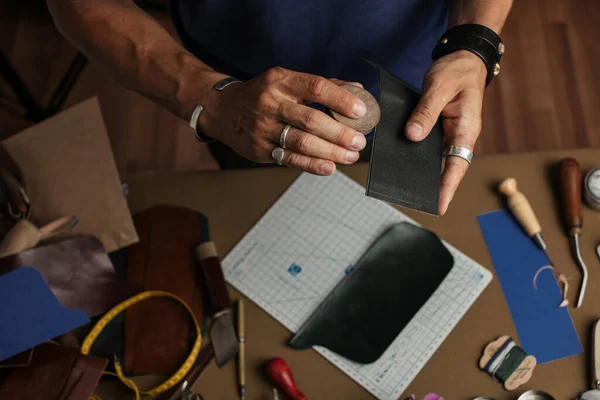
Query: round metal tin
(591,188)
(535,395)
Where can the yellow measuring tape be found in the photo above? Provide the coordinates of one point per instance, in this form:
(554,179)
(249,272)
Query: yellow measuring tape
(119,308)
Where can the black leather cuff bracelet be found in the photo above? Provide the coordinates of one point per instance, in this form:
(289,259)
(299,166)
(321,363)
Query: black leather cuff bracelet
(479,40)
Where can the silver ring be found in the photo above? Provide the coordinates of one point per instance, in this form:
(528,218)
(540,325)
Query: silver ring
(278,154)
(283,135)
(459,151)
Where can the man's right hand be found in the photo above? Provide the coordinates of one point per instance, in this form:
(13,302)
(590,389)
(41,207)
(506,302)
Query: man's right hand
(249,117)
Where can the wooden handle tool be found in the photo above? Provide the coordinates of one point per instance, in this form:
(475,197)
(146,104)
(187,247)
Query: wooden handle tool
(570,181)
(242,353)
(280,374)
(521,209)
(221,330)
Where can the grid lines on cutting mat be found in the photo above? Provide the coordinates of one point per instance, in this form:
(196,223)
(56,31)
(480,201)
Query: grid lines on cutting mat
(306,243)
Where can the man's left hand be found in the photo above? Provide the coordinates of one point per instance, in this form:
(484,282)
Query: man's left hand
(453,90)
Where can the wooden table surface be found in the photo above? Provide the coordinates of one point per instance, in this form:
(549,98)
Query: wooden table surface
(235,200)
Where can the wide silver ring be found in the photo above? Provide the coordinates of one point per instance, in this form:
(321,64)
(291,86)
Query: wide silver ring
(459,151)
(278,154)
(283,135)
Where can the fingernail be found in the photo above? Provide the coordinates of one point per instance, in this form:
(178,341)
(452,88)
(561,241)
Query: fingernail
(414,131)
(359,109)
(327,169)
(352,156)
(359,142)
(444,208)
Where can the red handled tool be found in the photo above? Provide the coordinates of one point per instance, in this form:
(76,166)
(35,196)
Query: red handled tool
(280,374)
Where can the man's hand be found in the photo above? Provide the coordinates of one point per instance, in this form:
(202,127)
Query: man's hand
(250,116)
(453,89)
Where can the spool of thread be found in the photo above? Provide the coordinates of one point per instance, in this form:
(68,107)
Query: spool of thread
(507,362)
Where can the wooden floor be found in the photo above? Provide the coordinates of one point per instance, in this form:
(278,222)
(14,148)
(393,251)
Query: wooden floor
(547,96)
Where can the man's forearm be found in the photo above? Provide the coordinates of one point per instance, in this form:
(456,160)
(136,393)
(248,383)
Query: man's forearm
(490,13)
(136,50)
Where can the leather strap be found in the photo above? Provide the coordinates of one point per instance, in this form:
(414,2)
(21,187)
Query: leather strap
(212,273)
(157,333)
(181,372)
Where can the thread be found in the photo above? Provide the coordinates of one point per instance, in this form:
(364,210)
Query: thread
(505,361)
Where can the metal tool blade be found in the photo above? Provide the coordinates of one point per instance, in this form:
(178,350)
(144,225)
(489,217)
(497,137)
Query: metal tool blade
(223,338)
(577,255)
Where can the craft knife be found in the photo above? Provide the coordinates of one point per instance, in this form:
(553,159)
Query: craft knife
(222,331)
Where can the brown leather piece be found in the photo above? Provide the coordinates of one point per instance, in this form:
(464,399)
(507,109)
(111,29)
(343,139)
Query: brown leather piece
(84,377)
(22,359)
(158,332)
(78,271)
(53,370)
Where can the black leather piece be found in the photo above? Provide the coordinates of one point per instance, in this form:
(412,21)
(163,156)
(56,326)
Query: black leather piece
(401,171)
(369,308)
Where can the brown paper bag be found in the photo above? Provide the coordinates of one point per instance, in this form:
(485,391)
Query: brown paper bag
(70,170)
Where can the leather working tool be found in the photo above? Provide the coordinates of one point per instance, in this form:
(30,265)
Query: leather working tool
(280,374)
(181,372)
(401,171)
(221,331)
(78,271)
(570,181)
(594,394)
(521,209)
(157,332)
(242,354)
(24,235)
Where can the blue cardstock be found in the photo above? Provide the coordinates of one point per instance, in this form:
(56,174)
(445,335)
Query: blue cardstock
(545,330)
(30,314)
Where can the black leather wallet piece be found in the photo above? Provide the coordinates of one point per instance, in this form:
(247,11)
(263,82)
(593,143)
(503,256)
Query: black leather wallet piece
(401,171)
(369,308)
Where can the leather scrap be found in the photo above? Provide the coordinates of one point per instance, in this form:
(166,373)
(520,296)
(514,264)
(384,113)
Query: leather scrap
(55,373)
(78,272)
(158,332)
(387,287)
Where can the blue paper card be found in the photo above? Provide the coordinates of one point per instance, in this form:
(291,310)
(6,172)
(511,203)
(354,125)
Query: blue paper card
(545,330)
(30,314)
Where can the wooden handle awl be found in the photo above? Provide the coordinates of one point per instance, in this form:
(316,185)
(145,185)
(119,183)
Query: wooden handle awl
(520,207)
(570,181)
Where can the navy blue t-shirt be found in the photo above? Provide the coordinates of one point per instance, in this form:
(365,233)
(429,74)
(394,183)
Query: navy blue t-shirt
(244,38)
